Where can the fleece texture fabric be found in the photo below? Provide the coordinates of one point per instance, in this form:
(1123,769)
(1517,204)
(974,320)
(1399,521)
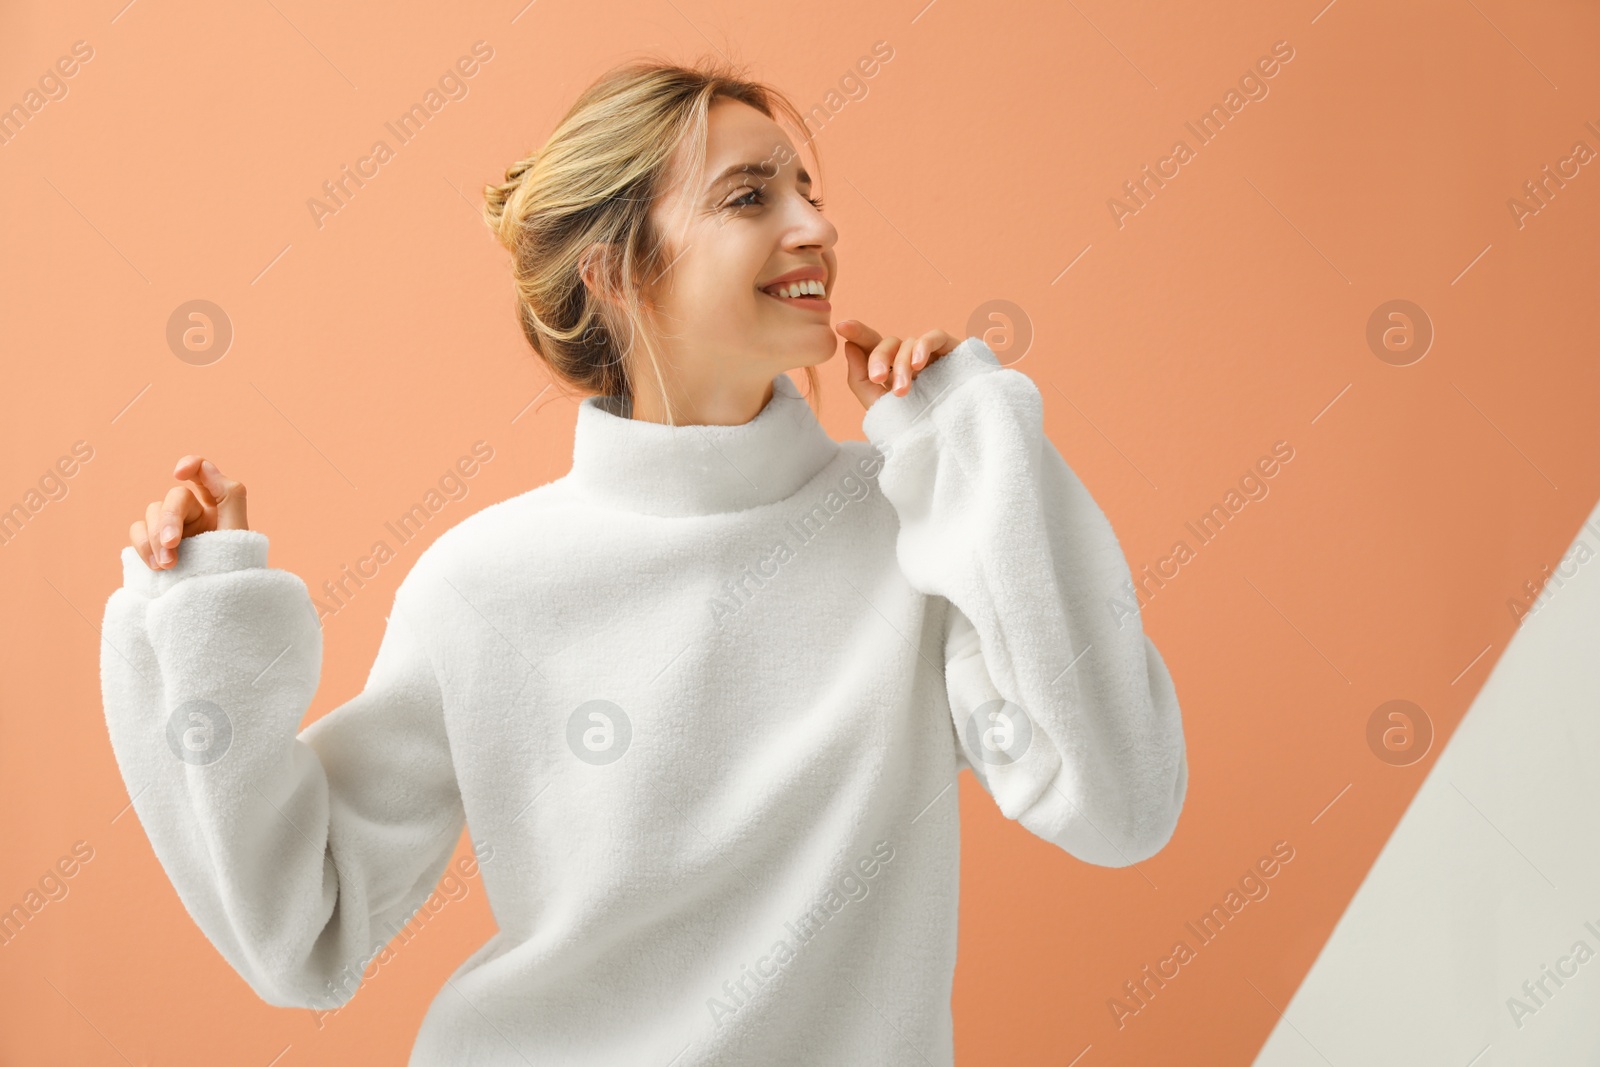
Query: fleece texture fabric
(701,704)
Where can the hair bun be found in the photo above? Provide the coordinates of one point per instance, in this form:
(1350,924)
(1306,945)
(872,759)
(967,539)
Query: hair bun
(495,197)
(515,172)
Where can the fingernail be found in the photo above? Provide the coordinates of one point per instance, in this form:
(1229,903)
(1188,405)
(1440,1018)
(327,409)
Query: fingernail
(900,379)
(169,532)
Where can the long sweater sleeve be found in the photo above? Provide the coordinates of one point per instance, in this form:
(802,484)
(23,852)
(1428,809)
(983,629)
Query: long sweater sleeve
(299,855)
(1060,703)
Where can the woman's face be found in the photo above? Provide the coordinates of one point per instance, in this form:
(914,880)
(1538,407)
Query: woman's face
(730,234)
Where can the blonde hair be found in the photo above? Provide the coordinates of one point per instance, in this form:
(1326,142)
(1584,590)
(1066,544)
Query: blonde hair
(592,184)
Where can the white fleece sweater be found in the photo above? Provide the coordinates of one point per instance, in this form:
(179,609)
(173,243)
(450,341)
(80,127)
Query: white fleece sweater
(702,703)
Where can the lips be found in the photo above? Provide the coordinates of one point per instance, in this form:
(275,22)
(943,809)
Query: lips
(812,303)
(802,274)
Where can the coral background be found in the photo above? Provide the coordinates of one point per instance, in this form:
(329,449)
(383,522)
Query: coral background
(1174,345)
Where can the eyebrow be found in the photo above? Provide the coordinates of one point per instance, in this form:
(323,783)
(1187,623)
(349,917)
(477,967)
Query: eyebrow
(800,176)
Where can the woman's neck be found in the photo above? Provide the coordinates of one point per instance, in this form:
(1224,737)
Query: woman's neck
(715,402)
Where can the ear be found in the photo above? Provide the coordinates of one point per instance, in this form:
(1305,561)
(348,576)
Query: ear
(599,266)
(595,268)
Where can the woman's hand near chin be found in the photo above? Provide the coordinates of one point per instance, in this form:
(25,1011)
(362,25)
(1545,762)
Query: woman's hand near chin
(872,358)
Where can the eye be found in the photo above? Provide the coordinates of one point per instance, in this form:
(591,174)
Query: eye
(746,201)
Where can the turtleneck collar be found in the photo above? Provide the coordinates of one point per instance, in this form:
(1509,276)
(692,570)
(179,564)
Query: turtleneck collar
(698,469)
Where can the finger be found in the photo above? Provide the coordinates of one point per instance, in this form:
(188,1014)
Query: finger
(902,366)
(856,375)
(200,510)
(152,524)
(869,339)
(141,542)
(881,356)
(855,364)
(930,346)
(226,496)
(190,469)
(179,510)
(860,333)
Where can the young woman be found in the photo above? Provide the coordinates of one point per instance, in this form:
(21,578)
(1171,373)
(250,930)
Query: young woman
(702,701)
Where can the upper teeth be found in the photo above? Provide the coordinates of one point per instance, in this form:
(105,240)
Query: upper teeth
(793,289)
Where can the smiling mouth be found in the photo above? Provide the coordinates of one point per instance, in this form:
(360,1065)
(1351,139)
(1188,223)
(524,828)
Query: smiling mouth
(812,303)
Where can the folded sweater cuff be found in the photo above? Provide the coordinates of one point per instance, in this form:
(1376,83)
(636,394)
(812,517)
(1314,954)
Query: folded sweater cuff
(889,415)
(212,552)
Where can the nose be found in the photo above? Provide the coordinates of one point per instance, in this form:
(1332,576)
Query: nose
(811,228)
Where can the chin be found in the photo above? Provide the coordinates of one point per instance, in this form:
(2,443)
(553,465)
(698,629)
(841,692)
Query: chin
(811,353)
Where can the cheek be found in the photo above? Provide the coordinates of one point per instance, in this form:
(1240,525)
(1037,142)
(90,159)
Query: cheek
(718,302)
(720,282)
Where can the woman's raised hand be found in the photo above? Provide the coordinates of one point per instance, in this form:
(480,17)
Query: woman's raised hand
(870,358)
(206,500)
